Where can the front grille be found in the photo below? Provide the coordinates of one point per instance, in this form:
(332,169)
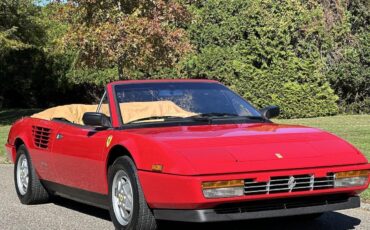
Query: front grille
(41,136)
(280,204)
(292,183)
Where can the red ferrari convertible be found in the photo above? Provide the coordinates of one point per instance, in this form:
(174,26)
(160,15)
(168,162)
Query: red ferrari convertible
(182,150)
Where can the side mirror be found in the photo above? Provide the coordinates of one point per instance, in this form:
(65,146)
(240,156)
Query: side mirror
(270,111)
(96,119)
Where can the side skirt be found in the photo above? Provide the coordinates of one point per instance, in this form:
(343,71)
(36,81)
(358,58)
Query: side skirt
(79,195)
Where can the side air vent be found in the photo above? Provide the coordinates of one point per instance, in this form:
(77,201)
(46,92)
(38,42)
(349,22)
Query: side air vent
(41,136)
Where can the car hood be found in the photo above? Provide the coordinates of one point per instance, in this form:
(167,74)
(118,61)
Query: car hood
(234,148)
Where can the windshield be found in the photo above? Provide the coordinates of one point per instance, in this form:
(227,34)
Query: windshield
(169,101)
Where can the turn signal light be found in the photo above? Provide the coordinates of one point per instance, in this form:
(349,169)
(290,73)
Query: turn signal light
(351,178)
(223,189)
(349,174)
(222,184)
(157,168)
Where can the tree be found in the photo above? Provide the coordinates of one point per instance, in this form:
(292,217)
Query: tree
(32,68)
(19,31)
(8,43)
(140,36)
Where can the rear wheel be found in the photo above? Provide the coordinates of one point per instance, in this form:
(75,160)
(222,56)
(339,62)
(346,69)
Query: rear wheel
(128,208)
(27,184)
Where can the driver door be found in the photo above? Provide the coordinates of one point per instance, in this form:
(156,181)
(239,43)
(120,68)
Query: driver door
(79,159)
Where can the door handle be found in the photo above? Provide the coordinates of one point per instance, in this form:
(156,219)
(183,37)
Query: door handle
(59,136)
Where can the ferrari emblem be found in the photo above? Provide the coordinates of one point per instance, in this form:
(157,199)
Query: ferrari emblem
(278,155)
(291,183)
(109,140)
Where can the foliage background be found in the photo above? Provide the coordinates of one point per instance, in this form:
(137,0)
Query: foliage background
(311,57)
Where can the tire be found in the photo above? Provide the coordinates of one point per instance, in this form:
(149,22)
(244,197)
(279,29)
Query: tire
(31,191)
(128,194)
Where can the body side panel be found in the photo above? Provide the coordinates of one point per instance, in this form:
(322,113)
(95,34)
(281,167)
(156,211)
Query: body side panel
(41,157)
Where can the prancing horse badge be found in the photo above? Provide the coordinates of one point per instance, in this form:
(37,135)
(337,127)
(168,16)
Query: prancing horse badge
(109,139)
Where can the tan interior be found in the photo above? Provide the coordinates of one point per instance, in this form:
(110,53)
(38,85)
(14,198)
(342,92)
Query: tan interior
(72,113)
(130,111)
(136,110)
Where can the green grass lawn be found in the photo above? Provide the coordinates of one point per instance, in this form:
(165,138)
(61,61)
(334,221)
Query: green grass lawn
(7,117)
(4,129)
(353,128)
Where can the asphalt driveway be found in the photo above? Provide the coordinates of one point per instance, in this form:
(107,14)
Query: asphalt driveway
(66,214)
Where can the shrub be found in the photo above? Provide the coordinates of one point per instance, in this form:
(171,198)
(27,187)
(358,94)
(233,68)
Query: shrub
(348,65)
(267,51)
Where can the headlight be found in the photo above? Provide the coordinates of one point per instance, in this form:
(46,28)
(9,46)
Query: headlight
(219,189)
(351,178)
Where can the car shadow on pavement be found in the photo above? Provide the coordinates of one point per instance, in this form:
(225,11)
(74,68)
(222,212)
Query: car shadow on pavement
(82,208)
(330,220)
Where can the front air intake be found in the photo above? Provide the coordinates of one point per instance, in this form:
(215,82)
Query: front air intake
(291,183)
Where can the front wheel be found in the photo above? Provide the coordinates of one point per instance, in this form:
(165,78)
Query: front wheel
(128,208)
(27,184)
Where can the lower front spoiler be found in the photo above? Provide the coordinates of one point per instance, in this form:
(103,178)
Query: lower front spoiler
(245,212)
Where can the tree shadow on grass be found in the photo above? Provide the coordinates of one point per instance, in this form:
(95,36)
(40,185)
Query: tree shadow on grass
(328,221)
(8,117)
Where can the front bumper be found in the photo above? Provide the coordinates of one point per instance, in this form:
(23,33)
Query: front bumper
(176,192)
(264,209)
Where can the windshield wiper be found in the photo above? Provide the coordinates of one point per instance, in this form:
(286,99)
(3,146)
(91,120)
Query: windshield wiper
(217,116)
(202,116)
(199,117)
(155,118)
(210,115)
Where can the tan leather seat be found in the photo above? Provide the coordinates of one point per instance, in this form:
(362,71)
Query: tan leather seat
(130,111)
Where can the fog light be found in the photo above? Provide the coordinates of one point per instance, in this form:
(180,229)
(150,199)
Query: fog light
(223,189)
(351,178)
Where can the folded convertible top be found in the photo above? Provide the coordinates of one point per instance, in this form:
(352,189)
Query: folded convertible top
(130,111)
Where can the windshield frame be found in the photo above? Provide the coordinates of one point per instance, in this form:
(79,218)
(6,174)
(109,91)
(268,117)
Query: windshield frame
(184,122)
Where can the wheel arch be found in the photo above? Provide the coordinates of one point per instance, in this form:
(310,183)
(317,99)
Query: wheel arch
(116,152)
(18,142)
